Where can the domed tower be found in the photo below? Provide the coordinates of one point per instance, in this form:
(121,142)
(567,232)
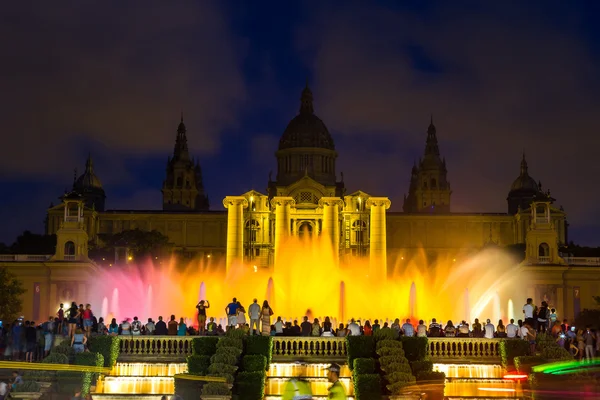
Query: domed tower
(90,188)
(429,189)
(306,149)
(523,191)
(183,188)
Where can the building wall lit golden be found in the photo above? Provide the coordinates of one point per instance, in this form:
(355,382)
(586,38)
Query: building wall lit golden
(306,198)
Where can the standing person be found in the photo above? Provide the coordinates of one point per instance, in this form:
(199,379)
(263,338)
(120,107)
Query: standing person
(48,327)
(528,311)
(240,316)
(61,319)
(254,314)
(78,341)
(73,316)
(531,335)
(201,307)
(87,319)
(231,311)
(336,391)
(3,390)
(589,338)
(265,318)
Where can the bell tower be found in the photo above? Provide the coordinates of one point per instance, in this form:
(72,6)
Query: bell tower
(71,237)
(429,190)
(183,188)
(542,237)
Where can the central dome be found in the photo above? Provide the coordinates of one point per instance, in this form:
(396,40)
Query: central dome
(306,129)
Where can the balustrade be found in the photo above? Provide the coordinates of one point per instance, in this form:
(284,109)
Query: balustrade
(25,257)
(471,349)
(327,349)
(163,347)
(308,348)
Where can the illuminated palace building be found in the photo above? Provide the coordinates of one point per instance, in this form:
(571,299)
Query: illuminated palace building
(306,199)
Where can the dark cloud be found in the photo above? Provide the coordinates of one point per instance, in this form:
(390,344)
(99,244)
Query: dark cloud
(115,73)
(499,80)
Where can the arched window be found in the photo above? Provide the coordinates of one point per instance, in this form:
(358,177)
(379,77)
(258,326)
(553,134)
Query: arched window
(544,250)
(305,230)
(433,183)
(69,250)
(252,226)
(360,229)
(424,184)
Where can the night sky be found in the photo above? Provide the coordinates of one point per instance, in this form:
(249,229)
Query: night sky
(112,77)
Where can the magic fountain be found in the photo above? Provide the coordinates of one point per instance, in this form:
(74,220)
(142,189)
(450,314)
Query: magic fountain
(308,280)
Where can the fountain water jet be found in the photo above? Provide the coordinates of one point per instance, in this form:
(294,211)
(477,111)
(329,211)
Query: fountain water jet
(114,306)
(104,308)
(511,310)
(412,300)
(202,292)
(342,311)
(467,306)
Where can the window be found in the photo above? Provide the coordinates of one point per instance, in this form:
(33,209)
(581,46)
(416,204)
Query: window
(424,184)
(360,229)
(544,250)
(69,250)
(252,226)
(179,181)
(433,183)
(305,230)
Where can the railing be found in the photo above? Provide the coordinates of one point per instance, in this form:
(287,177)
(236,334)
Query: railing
(470,349)
(582,260)
(309,348)
(25,257)
(290,349)
(543,259)
(169,348)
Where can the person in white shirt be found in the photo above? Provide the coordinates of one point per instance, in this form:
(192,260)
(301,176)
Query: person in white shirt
(254,314)
(528,311)
(279,327)
(523,332)
(489,330)
(136,327)
(511,329)
(421,329)
(3,390)
(353,328)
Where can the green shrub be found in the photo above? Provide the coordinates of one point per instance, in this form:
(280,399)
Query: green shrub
(251,385)
(27,387)
(92,360)
(543,340)
(388,343)
(221,368)
(232,351)
(236,334)
(108,346)
(360,347)
(254,363)
(511,348)
(56,358)
(205,345)
(419,367)
(415,348)
(556,353)
(64,348)
(43,375)
(224,358)
(397,371)
(260,345)
(385,334)
(230,342)
(197,364)
(216,389)
(435,376)
(367,386)
(364,366)
(524,363)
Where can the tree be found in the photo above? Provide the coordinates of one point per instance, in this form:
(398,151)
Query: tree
(33,243)
(140,243)
(11,290)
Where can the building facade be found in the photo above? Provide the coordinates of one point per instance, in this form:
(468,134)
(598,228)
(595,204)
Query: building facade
(304,199)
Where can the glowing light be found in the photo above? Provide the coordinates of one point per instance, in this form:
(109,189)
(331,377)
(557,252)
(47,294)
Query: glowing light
(305,268)
(130,258)
(515,376)
(497,390)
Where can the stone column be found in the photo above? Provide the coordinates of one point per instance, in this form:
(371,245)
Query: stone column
(377,237)
(283,215)
(331,222)
(235,230)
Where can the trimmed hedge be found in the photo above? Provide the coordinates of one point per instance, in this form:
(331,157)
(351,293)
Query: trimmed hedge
(205,346)
(260,345)
(367,387)
(436,376)
(198,365)
(397,371)
(524,363)
(92,360)
(108,346)
(511,348)
(421,367)
(364,366)
(415,348)
(359,347)
(254,363)
(251,385)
